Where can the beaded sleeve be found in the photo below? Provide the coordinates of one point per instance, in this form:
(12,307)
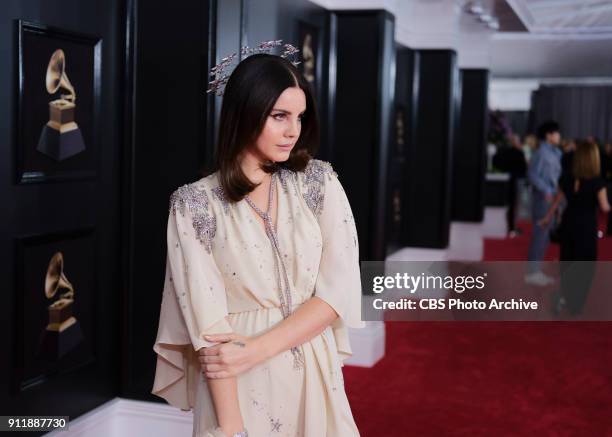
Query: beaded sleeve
(339,280)
(193,303)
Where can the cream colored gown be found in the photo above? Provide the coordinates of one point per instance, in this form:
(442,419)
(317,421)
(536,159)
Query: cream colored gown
(221,263)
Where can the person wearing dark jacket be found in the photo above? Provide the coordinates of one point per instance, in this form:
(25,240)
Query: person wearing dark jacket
(583,190)
(512,160)
(607,175)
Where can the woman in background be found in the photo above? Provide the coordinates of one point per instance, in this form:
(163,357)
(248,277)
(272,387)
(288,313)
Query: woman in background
(531,143)
(607,175)
(584,191)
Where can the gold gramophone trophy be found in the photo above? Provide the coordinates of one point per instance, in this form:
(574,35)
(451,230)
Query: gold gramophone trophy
(63,331)
(309,59)
(60,137)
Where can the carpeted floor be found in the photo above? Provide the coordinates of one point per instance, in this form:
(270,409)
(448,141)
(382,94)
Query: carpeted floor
(489,378)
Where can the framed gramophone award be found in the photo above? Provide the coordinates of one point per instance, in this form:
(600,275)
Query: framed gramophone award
(55,306)
(58,104)
(311,55)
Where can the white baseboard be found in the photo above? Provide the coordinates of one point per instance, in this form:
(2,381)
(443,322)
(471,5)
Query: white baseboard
(126,418)
(466,241)
(494,223)
(368,345)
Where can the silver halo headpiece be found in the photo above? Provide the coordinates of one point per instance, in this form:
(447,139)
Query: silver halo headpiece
(222,71)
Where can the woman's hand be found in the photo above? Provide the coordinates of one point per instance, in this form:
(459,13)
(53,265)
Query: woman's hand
(544,221)
(235,355)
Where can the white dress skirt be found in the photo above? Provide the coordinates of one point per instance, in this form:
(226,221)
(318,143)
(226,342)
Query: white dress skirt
(222,276)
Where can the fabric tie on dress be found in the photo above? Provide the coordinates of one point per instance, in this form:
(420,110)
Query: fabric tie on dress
(284,290)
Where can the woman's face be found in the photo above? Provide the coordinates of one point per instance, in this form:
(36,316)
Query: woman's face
(283,126)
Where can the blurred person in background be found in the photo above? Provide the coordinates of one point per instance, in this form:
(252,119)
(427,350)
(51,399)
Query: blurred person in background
(512,160)
(543,175)
(607,175)
(583,190)
(568,147)
(592,139)
(529,146)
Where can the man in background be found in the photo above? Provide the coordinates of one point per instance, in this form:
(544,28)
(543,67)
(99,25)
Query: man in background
(512,161)
(543,175)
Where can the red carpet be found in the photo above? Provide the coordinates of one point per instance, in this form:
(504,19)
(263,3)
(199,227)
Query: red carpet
(515,249)
(489,378)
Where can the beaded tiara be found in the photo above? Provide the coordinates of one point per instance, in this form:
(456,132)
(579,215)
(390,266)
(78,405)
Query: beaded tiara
(222,71)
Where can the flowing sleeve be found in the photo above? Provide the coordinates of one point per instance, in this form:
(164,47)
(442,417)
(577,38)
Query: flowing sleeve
(193,300)
(338,281)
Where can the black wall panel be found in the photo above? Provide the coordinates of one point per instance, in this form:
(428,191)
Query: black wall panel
(169,117)
(364,94)
(402,137)
(427,185)
(78,216)
(469,162)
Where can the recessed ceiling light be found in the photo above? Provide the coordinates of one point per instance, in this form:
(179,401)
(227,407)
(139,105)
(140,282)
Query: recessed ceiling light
(475,8)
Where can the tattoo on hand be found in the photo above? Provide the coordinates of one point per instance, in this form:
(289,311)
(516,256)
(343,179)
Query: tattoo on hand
(239,343)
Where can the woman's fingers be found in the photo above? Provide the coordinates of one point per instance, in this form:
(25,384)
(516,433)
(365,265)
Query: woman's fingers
(219,355)
(210,351)
(226,359)
(213,368)
(209,359)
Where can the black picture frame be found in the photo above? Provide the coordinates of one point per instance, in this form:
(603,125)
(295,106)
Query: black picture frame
(69,150)
(311,56)
(31,365)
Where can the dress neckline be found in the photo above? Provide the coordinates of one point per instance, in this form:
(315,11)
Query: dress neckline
(284,285)
(253,209)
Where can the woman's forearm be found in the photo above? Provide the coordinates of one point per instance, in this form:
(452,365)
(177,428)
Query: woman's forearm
(224,393)
(554,204)
(309,320)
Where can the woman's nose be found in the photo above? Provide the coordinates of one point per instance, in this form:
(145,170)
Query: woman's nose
(293,129)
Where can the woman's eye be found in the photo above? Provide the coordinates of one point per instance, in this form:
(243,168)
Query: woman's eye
(284,116)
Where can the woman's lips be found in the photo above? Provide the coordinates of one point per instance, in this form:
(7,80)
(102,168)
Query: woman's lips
(285,146)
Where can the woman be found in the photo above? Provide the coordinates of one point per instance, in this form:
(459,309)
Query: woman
(262,278)
(531,144)
(607,175)
(584,190)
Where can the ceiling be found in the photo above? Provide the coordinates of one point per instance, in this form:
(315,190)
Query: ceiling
(536,39)
(563,39)
(550,57)
(561,16)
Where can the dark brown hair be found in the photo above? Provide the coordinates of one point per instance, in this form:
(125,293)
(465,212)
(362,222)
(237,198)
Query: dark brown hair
(249,96)
(548,127)
(586,161)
